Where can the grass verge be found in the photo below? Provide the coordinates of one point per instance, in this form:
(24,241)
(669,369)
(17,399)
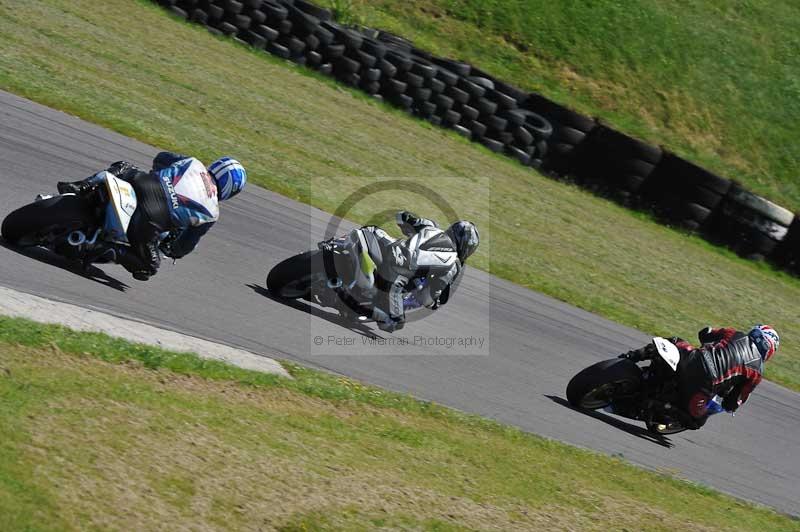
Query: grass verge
(715,81)
(103,434)
(128,66)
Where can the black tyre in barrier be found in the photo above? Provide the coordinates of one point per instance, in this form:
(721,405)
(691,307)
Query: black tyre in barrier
(215,13)
(275,12)
(539,126)
(256,17)
(443,103)
(496,122)
(371,75)
(325,37)
(254,39)
(232,6)
(468,112)
(401,60)
(522,136)
(447,77)
(564,144)
(522,156)
(787,253)
(302,20)
(394,86)
(373,47)
(436,85)
(295,45)
(345,65)
(395,41)
(242,22)
(609,157)
(178,12)
(285,27)
(486,83)
(494,145)
(458,95)
(451,118)
(504,101)
(350,38)
(312,42)
(199,16)
(387,69)
(313,59)
(514,116)
(413,80)
(333,51)
(366,60)
(477,128)
(227,28)
(270,34)
(402,100)
(314,10)
(750,225)
(278,49)
(474,91)
(485,106)
(463,131)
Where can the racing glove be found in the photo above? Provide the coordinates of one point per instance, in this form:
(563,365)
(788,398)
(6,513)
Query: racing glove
(643,353)
(706,335)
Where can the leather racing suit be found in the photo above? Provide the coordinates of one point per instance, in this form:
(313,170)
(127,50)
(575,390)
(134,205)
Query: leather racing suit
(425,261)
(178,196)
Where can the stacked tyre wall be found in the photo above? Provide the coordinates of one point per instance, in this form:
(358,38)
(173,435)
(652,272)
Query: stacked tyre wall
(527,127)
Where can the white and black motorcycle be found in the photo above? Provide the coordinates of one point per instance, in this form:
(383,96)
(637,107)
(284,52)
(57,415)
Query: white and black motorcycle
(644,393)
(90,227)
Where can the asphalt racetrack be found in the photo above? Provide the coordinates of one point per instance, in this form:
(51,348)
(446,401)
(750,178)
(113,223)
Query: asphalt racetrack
(496,350)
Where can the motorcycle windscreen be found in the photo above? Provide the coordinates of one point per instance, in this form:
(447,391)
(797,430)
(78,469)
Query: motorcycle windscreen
(120,208)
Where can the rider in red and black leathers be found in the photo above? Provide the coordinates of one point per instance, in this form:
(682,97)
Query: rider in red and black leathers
(728,364)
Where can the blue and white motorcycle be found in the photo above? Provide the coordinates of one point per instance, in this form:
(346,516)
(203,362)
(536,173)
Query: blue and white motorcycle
(90,227)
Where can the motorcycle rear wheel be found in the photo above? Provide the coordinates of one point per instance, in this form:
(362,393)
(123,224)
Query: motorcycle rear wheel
(294,277)
(596,386)
(44,221)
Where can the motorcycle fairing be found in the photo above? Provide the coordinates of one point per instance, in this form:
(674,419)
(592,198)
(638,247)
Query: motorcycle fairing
(121,206)
(668,352)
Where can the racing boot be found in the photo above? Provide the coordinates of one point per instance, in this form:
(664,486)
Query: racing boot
(79,187)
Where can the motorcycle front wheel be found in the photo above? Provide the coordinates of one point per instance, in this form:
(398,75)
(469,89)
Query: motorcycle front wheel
(45,221)
(294,277)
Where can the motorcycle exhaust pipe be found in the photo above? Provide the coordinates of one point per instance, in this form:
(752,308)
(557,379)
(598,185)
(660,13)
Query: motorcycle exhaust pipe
(76,238)
(92,240)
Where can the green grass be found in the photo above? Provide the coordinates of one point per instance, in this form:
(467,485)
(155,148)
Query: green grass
(716,81)
(128,66)
(101,434)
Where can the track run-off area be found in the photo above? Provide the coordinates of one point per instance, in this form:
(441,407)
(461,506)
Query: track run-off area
(497,349)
